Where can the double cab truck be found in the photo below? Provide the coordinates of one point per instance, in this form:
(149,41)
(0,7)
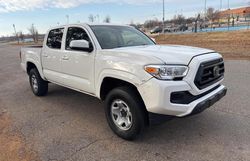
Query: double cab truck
(139,81)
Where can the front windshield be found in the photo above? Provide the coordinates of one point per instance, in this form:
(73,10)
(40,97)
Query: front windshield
(110,37)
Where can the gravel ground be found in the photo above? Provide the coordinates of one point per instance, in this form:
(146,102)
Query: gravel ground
(69,126)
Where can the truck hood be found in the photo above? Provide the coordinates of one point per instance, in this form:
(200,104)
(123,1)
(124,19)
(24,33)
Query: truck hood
(169,54)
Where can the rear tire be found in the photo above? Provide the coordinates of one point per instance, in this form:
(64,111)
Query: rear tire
(37,84)
(125,113)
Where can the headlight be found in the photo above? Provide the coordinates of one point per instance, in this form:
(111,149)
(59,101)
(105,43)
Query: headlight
(167,72)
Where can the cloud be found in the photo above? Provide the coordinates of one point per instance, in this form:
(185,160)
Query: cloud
(26,5)
(22,5)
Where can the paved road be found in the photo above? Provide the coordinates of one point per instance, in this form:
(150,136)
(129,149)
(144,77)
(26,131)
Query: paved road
(67,125)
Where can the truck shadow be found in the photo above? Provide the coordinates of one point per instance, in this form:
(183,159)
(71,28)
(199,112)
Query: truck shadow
(179,129)
(66,119)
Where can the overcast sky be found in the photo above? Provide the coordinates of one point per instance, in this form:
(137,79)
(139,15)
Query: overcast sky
(46,13)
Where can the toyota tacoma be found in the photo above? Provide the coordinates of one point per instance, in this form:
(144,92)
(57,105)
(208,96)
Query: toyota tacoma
(139,81)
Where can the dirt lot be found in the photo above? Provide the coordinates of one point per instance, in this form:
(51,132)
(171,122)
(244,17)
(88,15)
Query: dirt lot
(13,146)
(233,45)
(70,126)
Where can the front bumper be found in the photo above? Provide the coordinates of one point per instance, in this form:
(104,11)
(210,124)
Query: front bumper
(156,95)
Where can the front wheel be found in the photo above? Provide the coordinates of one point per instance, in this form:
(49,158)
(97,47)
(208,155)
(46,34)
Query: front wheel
(125,112)
(37,84)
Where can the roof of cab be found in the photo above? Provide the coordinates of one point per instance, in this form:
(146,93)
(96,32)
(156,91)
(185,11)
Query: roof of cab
(87,24)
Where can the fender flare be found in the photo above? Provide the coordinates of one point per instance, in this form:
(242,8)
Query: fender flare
(117,74)
(37,65)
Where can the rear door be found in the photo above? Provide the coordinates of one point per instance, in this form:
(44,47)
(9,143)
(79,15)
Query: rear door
(51,56)
(78,66)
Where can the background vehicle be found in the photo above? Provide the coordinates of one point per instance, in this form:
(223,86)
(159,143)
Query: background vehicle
(139,81)
(168,29)
(156,30)
(183,28)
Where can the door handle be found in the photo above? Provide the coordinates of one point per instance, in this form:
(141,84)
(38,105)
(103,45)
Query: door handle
(44,55)
(65,57)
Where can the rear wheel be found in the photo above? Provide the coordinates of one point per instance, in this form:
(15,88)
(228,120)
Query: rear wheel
(125,112)
(37,84)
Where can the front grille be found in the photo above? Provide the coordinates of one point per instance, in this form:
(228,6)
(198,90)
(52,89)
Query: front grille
(209,73)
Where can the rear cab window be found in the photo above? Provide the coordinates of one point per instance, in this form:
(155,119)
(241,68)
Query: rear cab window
(54,40)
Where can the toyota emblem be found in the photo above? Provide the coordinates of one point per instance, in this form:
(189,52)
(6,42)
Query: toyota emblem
(216,71)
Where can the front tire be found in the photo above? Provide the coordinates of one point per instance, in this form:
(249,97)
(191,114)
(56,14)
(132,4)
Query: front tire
(37,84)
(125,113)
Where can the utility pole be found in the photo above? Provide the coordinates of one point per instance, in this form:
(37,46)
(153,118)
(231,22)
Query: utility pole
(248,25)
(163,18)
(67,17)
(228,6)
(16,33)
(205,14)
(205,10)
(98,18)
(220,13)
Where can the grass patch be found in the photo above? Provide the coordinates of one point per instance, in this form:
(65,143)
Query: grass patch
(232,45)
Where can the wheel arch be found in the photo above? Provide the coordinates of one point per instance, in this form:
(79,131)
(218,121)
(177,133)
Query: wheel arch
(115,75)
(30,65)
(110,83)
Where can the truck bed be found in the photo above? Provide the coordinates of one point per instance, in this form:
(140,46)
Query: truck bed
(31,54)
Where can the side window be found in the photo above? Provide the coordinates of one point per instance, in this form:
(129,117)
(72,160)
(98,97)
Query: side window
(54,40)
(75,33)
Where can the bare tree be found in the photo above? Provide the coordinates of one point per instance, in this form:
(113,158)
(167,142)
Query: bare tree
(91,18)
(151,23)
(107,19)
(190,20)
(131,22)
(34,33)
(20,35)
(212,14)
(179,19)
(196,23)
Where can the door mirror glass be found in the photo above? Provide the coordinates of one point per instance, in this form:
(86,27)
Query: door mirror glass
(81,45)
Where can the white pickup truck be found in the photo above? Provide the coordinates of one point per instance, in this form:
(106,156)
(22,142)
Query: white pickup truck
(140,82)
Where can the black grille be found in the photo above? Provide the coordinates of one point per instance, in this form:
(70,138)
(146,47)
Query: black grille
(209,73)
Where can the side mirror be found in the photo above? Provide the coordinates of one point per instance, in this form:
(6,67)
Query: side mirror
(81,45)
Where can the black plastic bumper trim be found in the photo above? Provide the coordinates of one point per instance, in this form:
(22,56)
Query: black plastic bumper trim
(209,102)
(185,97)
